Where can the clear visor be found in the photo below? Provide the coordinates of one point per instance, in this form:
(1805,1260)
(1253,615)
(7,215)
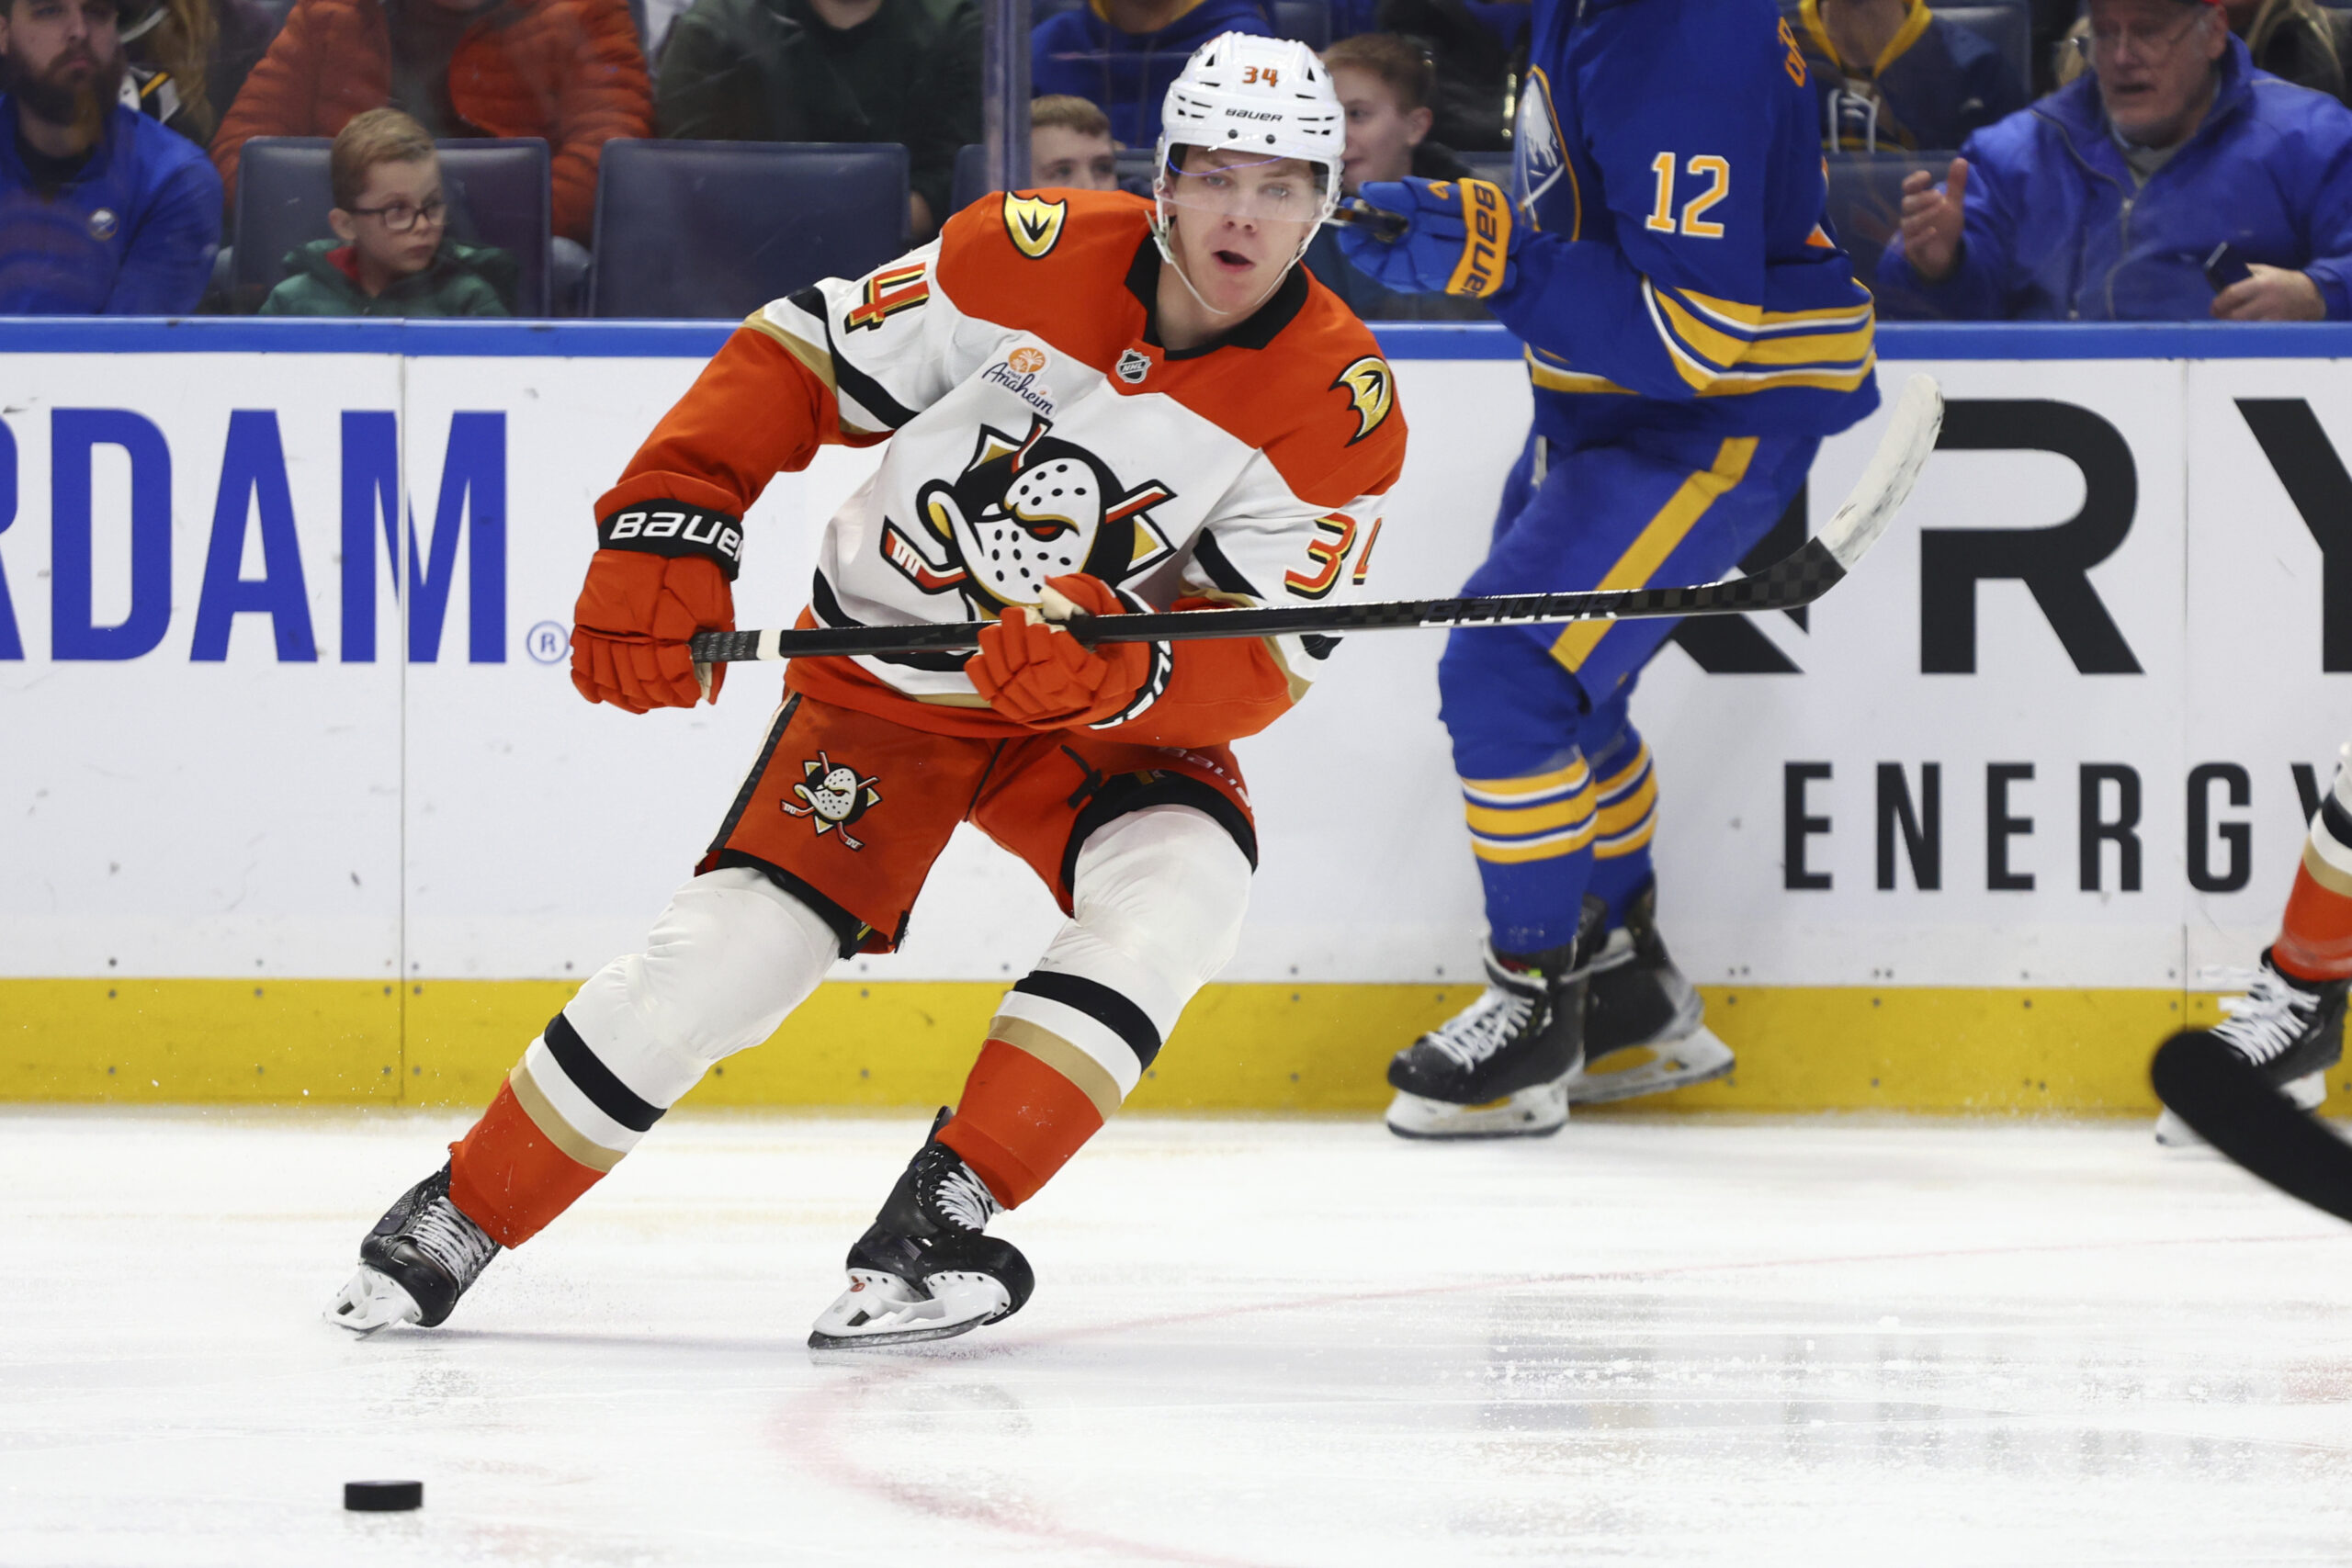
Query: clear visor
(1284,190)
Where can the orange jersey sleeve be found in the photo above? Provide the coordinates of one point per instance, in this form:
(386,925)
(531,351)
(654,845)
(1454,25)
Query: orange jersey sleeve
(757,410)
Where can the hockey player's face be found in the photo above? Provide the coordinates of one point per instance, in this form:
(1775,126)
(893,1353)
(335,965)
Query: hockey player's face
(1240,222)
(2154,64)
(61,50)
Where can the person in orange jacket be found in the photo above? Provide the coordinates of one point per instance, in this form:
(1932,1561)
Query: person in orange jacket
(567,71)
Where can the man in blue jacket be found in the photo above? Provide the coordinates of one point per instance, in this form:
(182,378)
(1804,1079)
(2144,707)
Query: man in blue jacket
(2105,200)
(102,211)
(1120,55)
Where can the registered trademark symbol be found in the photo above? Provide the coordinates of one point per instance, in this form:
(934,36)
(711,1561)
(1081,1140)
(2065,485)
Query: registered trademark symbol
(550,642)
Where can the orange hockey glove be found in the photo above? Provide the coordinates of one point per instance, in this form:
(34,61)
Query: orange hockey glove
(1033,672)
(661,575)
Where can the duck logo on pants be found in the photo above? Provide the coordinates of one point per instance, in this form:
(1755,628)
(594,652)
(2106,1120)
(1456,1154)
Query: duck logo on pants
(834,796)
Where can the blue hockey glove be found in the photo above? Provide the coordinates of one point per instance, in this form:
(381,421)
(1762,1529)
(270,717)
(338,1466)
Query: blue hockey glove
(1459,238)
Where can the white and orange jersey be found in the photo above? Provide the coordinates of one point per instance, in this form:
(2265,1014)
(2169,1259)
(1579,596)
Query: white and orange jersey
(1035,427)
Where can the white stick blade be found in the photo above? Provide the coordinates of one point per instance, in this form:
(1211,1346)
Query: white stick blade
(1886,483)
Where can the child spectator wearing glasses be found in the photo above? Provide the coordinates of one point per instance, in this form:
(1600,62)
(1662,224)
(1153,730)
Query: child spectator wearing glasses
(392,254)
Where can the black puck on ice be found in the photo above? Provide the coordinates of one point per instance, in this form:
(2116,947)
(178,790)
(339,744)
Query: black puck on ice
(382,1497)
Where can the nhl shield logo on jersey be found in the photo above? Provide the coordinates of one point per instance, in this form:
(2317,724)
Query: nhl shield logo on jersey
(1370,386)
(1134,365)
(1024,508)
(834,795)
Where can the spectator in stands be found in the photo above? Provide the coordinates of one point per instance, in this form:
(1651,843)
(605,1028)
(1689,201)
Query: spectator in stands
(904,70)
(1070,145)
(1120,55)
(1479,48)
(187,58)
(102,211)
(567,71)
(2104,200)
(1383,84)
(1891,75)
(392,254)
(2301,41)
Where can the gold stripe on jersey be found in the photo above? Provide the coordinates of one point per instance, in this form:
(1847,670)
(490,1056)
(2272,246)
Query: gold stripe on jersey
(1709,341)
(1670,525)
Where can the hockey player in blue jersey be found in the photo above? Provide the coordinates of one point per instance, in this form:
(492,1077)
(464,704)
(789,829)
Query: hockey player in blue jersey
(1693,332)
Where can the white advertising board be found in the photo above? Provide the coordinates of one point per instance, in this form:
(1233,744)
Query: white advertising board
(2103,607)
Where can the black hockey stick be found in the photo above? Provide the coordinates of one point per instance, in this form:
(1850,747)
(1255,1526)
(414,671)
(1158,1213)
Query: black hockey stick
(1355,212)
(1796,580)
(2233,1108)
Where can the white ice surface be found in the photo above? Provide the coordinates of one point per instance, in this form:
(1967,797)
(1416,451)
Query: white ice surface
(1253,1343)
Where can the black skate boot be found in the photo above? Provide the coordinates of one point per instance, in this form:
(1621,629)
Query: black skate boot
(2292,1031)
(1644,1028)
(422,1256)
(923,1269)
(1500,1069)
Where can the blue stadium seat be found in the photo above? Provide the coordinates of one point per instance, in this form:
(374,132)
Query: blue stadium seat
(2008,27)
(717,229)
(1308,21)
(497,192)
(1866,201)
(971,177)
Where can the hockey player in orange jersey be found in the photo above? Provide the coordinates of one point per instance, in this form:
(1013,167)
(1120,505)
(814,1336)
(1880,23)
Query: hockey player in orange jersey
(1087,397)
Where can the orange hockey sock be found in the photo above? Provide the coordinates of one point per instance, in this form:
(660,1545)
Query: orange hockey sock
(1018,1123)
(509,1177)
(2316,939)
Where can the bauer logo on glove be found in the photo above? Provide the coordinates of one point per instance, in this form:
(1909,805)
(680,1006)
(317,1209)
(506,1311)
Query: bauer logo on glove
(1458,237)
(676,530)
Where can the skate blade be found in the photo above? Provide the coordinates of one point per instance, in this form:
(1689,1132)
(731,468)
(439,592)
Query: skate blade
(2306,1093)
(371,1302)
(1535,1113)
(880,1310)
(1631,1071)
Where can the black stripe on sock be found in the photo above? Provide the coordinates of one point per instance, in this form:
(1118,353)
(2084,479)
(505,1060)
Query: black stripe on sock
(595,1079)
(1100,1003)
(2336,820)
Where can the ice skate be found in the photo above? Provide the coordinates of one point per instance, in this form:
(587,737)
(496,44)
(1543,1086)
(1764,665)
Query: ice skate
(422,1256)
(2292,1029)
(924,1269)
(1644,1027)
(1501,1066)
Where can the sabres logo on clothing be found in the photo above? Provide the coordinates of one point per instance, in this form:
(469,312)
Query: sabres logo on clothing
(834,796)
(1024,508)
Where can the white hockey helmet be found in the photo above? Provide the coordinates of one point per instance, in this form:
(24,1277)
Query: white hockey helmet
(1266,95)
